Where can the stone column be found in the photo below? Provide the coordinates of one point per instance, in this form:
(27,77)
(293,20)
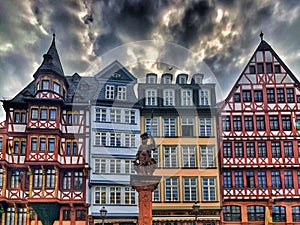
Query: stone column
(145,185)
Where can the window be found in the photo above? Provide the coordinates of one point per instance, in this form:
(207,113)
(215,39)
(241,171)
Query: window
(151,79)
(33,144)
(52,114)
(288,179)
(130,116)
(37,178)
(115,139)
(277,68)
(290,95)
(51,144)
(237,97)
(298,177)
(296,213)
(274,124)
(187,127)
(227,150)
(45,85)
(169,97)
(72,118)
(270,95)
(1,178)
(171,189)
(237,123)
(50,178)
(170,156)
(42,144)
(43,114)
(247,96)
(262,179)
(67,177)
(256,213)
(280,95)
(114,166)
(252,69)
(250,179)
(269,67)
(286,123)
(129,196)
(238,177)
(20,117)
(167,79)
(250,150)
(288,149)
(182,79)
(205,127)
(151,126)
(151,97)
(188,156)
(209,189)
(100,115)
(100,166)
(75,148)
(248,122)
(78,180)
(260,68)
(227,179)
(260,123)
(34,114)
(169,125)
(16,147)
(129,168)
(100,138)
(115,195)
(232,213)
(122,93)
(1,143)
(258,96)
(276,179)
(156,194)
(190,189)
(186,97)
(115,116)
(100,195)
(80,215)
(226,123)
(21,216)
(130,140)
(262,149)
(207,157)
(56,87)
(204,97)
(278,213)
(238,150)
(15,179)
(109,92)
(276,149)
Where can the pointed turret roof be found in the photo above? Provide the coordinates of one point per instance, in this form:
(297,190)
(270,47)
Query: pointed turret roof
(51,60)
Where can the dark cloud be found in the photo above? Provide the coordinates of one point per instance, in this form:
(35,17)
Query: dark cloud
(106,42)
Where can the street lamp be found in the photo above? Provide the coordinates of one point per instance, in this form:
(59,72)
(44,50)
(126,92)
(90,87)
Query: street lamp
(196,208)
(103,212)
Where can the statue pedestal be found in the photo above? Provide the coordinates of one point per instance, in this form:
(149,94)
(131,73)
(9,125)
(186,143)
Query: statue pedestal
(145,185)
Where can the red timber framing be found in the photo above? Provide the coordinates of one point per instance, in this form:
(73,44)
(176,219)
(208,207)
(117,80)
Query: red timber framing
(42,150)
(260,145)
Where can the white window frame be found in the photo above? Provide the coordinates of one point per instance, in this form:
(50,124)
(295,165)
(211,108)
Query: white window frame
(168,127)
(188,121)
(151,79)
(186,97)
(122,91)
(188,153)
(100,113)
(116,138)
(101,191)
(170,154)
(99,139)
(174,189)
(115,116)
(211,188)
(151,97)
(100,165)
(109,91)
(207,157)
(207,125)
(130,116)
(204,97)
(129,140)
(190,187)
(153,125)
(169,97)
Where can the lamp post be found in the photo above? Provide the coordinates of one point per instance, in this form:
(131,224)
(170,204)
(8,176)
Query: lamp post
(103,212)
(196,208)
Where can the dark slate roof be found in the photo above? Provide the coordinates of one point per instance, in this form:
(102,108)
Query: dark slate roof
(51,60)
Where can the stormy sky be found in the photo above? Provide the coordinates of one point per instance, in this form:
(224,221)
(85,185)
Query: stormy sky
(144,35)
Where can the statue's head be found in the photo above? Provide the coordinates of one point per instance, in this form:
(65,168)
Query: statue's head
(144,136)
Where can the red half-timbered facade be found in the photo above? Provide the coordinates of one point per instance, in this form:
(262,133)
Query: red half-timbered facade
(260,144)
(42,148)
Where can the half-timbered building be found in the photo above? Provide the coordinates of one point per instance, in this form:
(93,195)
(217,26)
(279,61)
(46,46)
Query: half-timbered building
(259,143)
(181,116)
(42,149)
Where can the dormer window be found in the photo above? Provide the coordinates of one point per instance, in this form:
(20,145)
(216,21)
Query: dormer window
(109,92)
(45,84)
(167,78)
(56,87)
(151,78)
(198,78)
(122,93)
(182,79)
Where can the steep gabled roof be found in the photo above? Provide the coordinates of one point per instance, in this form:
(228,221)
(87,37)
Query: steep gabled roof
(51,60)
(263,46)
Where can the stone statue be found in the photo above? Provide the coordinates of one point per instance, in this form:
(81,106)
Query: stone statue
(144,164)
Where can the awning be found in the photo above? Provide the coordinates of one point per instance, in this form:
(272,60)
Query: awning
(185,218)
(116,220)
